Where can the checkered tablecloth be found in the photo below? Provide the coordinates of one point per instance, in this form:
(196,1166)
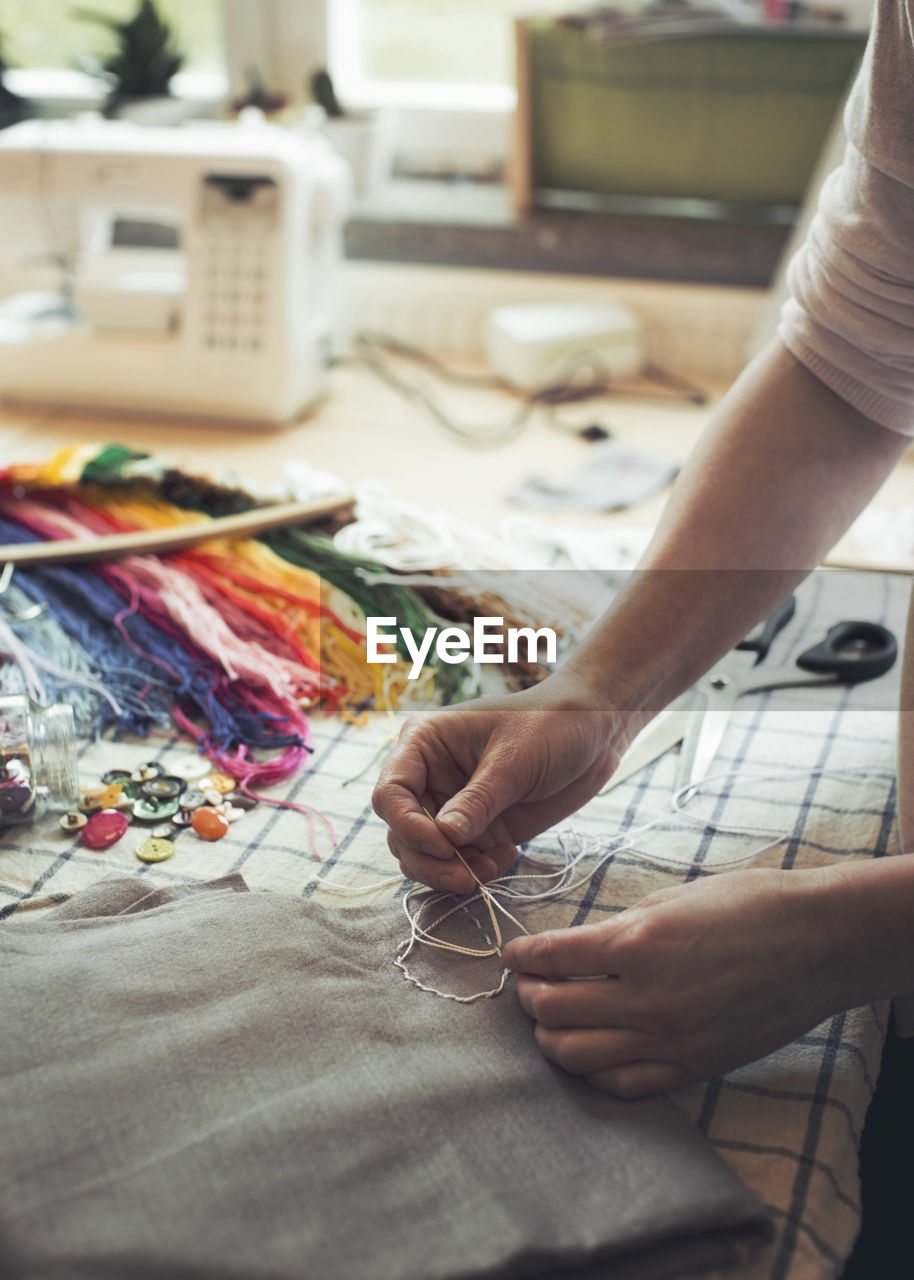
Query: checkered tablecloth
(788,1125)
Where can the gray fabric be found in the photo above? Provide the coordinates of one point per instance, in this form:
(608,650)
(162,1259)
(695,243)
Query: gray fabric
(212,1083)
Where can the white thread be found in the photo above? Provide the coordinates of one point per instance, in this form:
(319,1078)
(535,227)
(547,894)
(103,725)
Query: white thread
(24,659)
(410,540)
(417,935)
(62,673)
(407,538)
(492,904)
(425,899)
(332,887)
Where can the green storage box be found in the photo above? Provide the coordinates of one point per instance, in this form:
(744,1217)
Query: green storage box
(738,118)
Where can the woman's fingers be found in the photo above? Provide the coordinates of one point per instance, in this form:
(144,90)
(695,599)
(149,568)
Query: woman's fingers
(412,826)
(598,1002)
(641,1079)
(618,1060)
(452,876)
(565,953)
(584,1051)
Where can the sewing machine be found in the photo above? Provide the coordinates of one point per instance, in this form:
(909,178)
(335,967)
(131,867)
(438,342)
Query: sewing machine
(192,270)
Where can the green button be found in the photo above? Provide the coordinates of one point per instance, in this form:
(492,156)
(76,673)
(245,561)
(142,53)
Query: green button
(155,810)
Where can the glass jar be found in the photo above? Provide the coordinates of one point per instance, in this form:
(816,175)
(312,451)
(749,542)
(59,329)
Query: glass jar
(38,766)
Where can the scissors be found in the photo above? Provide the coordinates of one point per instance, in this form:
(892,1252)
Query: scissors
(851,653)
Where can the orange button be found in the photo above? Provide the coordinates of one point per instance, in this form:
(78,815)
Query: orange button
(209,823)
(220,782)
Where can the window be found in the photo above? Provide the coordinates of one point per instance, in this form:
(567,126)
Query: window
(460,45)
(50,34)
(444,66)
(47,46)
(419,57)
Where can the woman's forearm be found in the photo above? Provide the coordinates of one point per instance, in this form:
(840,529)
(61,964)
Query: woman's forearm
(781,472)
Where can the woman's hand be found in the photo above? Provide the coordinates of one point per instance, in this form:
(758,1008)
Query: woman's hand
(495,772)
(691,982)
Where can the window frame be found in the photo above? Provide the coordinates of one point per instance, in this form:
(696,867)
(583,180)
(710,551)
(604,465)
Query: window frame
(458,128)
(441,128)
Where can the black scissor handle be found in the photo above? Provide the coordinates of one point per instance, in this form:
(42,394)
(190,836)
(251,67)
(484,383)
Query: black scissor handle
(759,640)
(852,652)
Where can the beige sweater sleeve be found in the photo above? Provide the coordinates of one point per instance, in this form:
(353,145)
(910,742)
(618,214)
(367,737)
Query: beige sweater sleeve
(850,317)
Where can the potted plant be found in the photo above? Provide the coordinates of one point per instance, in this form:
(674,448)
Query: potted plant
(141,68)
(260,96)
(363,138)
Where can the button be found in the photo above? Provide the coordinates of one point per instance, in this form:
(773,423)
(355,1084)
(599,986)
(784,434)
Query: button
(155,810)
(163,788)
(93,800)
(73,821)
(232,812)
(220,782)
(164,831)
(190,767)
(15,797)
(209,823)
(88,801)
(155,849)
(181,819)
(213,798)
(111,796)
(115,775)
(241,801)
(104,829)
(146,771)
(193,799)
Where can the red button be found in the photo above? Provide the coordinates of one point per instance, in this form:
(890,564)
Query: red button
(104,829)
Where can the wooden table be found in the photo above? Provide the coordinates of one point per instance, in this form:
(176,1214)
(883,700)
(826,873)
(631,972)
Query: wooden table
(363,429)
